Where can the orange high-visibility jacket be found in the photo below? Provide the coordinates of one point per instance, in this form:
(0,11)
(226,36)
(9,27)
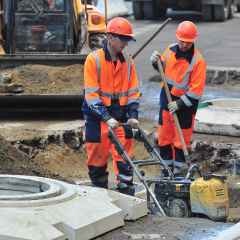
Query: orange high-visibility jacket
(104,80)
(187,79)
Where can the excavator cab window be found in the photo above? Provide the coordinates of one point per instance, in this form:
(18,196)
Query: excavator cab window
(41,5)
(41,26)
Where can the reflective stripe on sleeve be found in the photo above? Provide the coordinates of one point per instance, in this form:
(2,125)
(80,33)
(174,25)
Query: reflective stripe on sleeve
(186,100)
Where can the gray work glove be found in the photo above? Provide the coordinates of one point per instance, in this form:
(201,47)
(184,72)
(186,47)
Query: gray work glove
(173,107)
(155,57)
(112,123)
(134,123)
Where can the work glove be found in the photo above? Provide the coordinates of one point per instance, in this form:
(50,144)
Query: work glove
(173,107)
(155,57)
(112,123)
(134,123)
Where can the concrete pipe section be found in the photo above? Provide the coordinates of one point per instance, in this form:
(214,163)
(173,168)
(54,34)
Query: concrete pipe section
(46,209)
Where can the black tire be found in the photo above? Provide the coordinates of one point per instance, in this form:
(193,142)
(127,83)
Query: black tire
(230,11)
(149,10)
(178,208)
(138,10)
(220,13)
(238,7)
(160,9)
(207,12)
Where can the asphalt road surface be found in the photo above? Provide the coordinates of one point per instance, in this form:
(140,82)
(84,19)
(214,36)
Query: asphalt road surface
(219,43)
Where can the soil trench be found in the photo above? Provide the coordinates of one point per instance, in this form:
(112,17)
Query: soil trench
(61,155)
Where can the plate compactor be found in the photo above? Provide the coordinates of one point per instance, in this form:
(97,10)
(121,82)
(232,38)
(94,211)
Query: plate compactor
(192,194)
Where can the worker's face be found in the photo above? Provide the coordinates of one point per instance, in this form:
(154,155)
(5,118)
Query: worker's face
(184,46)
(117,43)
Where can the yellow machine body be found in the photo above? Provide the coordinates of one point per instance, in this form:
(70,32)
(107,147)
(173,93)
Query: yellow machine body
(209,196)
(83,26)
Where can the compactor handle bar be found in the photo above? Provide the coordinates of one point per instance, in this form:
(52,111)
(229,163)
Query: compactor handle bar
(121,151)
(153,151)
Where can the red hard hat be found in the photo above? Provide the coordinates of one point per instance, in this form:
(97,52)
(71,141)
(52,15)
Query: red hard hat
(187,31)
(120,26)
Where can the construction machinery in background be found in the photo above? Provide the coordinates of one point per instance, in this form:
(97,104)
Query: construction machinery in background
(237,3)
(36,37)
(207,10)
(47,29)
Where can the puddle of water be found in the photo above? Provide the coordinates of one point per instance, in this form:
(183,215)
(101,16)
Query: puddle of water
(208,233)
(150,98)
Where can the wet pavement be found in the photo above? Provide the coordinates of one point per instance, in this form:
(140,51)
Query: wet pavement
(150,98)
(218,42)
(207,233)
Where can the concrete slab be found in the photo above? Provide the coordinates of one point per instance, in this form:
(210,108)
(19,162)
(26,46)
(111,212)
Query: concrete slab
(73,212)
(25,225)
(133,207)
(219,116)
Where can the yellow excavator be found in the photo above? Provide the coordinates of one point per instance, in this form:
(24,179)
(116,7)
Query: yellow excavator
(49,27)
(50,33)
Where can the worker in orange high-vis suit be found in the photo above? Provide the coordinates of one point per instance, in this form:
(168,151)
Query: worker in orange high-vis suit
(111,98)
(185,72)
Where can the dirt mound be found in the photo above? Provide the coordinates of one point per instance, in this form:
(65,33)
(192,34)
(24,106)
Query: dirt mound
(14,161)
(53,160)
(42,79)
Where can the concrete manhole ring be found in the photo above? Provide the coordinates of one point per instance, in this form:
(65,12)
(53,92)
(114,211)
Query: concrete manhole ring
(42,208)
(16,190)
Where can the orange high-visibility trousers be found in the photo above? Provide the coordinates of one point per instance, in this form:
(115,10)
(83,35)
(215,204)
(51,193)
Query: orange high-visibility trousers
(169,140)
(168,133)
(98,154)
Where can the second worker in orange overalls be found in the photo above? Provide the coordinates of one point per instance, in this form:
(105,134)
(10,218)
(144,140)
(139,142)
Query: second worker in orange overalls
(185,72)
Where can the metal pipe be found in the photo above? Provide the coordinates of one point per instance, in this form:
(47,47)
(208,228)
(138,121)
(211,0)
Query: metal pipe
(152,37)
(154,152)
(106,11)
(120,149)
(86,11)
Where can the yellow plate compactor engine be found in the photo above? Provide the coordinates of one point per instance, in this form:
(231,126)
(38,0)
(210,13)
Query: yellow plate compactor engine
(209,196)
(181,197)
(177,196)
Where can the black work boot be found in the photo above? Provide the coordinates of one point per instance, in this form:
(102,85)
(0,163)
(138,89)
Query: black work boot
(100,182)
(126,189)
(98,176)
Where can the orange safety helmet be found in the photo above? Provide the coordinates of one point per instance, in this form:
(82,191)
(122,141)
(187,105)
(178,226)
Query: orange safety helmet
(120,26)
(187,31)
